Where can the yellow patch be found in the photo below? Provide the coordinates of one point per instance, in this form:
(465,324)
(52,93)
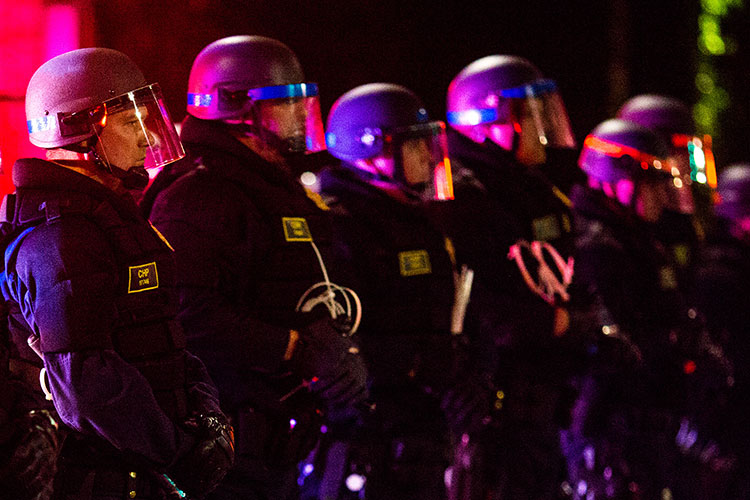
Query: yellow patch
(681,255)
(414,262)
(296,229)
(142,278)
(546,228)
(667,278)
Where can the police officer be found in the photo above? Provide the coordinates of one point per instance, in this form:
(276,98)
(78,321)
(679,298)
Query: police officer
(681,227)
(260,294)
(632,415)
(720,292)
(513,226)
(392,158)
(90,284)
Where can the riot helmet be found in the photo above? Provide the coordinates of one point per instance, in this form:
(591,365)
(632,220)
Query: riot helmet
(506,99)
(383,132)
(631,163)
(96,101)
(734,192)
(673,120)
(257,84)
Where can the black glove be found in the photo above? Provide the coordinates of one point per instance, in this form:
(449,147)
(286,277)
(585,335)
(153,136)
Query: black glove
(30,466)
(332,364)
(467,406)
(202,468)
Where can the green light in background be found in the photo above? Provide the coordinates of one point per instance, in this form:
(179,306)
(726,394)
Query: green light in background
(715,7)
(712,43)
(704,83)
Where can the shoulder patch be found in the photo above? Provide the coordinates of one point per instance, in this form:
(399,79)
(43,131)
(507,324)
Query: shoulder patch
(296,229)
(546,228)
(667,278)
(143,277)
(414,262)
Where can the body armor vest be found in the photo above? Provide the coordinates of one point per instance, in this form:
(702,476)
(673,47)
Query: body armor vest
(145,333)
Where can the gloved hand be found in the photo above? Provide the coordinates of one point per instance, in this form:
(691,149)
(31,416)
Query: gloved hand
(467,406)
(29,470)
(331,362)
(202,469)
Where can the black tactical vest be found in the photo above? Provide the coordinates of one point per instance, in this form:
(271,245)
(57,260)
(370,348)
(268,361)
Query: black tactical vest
(145,334)
(286,264)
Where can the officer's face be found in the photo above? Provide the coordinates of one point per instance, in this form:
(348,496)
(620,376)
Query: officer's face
(285,118)
(417,161)
(530,151)
(123,141)
(652,199)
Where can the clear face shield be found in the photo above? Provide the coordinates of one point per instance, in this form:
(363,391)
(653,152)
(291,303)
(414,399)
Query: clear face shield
(529,118)
(650,191)
(289,116)
(134,131)
(420,154)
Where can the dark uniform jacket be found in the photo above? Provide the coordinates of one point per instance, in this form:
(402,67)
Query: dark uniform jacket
(721,292)
(641,383)
(404,271)
(502,205)
(245,234)
(96,283)
(499,203)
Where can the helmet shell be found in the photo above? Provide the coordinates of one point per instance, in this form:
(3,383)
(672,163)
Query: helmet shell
(238,63)
(360,120)
(664,114)
(73,82)
(485,77)
(634,143)
(734,192)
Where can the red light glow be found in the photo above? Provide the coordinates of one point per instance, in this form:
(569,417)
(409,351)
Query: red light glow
(689,367)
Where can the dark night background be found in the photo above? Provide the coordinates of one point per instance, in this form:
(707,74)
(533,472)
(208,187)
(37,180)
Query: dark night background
(600,52)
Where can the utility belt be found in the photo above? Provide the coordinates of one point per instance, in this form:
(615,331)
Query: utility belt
(274,440)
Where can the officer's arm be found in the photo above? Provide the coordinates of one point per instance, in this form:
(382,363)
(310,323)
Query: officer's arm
(66,289)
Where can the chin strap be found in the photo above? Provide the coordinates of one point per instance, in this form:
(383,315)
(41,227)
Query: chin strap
(135,178)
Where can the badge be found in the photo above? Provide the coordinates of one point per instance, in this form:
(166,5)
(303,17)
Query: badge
(414,262)
(143,277)
(667,278)
(296,229)
(546,228)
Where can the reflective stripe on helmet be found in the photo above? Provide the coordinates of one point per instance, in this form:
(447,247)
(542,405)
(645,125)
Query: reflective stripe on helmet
(199,100)
(472,116)
(284,91)
(537,88)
